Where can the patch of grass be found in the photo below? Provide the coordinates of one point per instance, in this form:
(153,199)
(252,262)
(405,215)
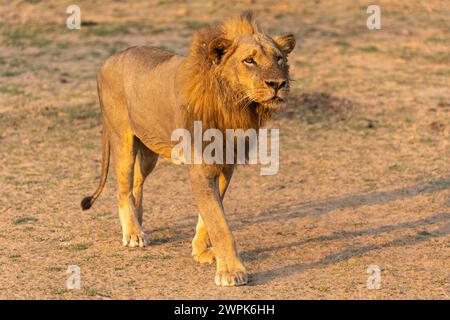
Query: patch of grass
(361,123)
(90,291)
(371,183)
(81,246)
(49,113)
(194,24)
(439,57)
(93,257)
(442,183)
(303,64)
(11,73)
(407,54)
(105,213)
(82,114)
(426,140)
(435,39)
(79,112)
(115,46)
(15,256)
(322,288)
(161,256)
(91,146)
(164,47)
(59,291)
(95,54)
(103,30)
(443,72)
(160,30)
(55,269)
(343,43)
(148,257)
(93,291)
(12,90)
(427,234)
(28,35)
(344,46)
(394,167)
(369,49)
(17,36)
(17,63)
(309,31)
(10,178)
(24,219)
(40,42)
(163,2)
(160,241)
(64,45)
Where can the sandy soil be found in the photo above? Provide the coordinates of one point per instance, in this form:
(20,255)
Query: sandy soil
(364,176)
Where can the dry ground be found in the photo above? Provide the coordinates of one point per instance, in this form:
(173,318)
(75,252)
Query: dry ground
(364,177)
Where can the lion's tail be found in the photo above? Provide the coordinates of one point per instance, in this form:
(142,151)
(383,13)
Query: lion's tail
(87,202)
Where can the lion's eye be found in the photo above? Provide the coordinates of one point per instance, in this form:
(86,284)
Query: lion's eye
(249,60)
(279,59)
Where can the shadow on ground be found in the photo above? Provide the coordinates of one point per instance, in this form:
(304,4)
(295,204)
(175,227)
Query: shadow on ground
(313,107)
(300,210)
(346,254)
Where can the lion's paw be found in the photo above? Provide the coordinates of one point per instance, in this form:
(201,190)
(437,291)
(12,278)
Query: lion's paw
(231,279)
(206,256)
(135,240)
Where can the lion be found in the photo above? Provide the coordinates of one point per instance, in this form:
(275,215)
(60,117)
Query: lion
(234,76)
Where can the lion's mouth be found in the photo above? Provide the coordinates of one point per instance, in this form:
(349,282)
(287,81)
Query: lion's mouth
(276,99)
(273,102)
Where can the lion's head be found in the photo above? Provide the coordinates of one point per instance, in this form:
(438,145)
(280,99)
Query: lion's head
(236,74)
(252,61)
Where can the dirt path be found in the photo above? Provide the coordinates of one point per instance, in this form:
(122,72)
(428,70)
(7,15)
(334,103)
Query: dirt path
(364,176)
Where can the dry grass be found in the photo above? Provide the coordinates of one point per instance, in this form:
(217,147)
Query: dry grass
(365,156)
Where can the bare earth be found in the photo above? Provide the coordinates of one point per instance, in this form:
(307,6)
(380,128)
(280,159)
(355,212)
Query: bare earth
(365,148)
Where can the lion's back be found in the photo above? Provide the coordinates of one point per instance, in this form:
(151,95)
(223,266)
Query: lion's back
(137,91)
(136,59)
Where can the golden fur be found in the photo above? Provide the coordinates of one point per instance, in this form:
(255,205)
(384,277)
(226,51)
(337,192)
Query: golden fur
(234,77)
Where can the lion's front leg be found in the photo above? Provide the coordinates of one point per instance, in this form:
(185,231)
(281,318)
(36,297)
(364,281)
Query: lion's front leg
(201,244)
(205,184)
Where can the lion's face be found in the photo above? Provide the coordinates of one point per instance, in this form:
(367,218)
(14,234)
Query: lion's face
(257,66)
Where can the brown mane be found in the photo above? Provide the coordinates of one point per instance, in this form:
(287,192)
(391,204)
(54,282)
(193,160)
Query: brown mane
(208,97)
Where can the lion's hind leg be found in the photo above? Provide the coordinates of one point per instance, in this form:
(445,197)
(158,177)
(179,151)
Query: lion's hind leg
(124,150)
(145,163)
(201,244)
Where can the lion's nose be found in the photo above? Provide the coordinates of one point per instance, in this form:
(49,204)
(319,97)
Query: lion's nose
(276,84)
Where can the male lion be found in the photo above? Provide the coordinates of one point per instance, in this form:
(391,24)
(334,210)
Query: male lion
(234,77)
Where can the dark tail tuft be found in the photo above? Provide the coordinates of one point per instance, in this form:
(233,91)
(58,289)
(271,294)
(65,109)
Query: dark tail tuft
(86,203)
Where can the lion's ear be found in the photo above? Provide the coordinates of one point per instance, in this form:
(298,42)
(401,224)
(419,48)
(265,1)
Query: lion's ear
(217,48)
(286,43)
